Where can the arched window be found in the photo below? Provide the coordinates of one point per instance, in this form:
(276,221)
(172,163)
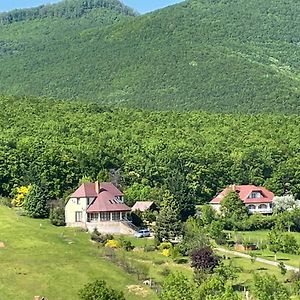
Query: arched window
(251,206)
(262,206)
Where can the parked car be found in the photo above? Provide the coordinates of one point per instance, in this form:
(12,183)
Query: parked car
(142,233)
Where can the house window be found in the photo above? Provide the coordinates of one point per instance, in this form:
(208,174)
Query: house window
(104,216)
(78,216)
(251,206)
(77,201)
(90,200)
(255,195)
(92,217)
(115,216)
(262,206)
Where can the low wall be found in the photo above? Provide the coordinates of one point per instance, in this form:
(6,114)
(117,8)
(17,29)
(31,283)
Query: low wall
(105,227)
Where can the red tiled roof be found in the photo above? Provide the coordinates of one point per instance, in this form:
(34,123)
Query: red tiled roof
(85,190)
(142,205)
(90,190)
(106,202)
(108,186)
(244,191)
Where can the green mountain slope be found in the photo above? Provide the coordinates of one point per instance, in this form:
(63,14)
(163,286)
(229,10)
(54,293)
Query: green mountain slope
(232,56)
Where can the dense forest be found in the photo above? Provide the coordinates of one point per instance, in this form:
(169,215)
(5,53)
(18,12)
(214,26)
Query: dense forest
(67,9)
(189,155)
(219,56)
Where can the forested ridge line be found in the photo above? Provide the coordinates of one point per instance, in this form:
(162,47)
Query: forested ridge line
(219,56)
(193,155)
(68,9)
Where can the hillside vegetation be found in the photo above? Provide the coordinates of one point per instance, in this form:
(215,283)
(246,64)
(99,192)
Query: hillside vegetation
(40,259)
(190,155)
(221,56)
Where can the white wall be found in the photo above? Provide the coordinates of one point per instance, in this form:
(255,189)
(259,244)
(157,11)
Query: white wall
(72,207)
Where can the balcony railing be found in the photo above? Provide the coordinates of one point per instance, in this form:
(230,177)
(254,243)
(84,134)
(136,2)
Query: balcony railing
(260,210)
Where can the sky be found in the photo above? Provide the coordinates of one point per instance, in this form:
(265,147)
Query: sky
(142,6)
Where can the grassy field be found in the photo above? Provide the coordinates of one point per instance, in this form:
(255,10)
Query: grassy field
(40,259)
(259,237)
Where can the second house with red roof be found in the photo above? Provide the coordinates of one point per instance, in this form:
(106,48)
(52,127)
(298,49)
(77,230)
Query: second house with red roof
(256,198)
(101,206)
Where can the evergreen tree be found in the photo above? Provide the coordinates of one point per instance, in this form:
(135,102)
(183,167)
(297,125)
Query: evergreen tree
(168,224)
(35,204)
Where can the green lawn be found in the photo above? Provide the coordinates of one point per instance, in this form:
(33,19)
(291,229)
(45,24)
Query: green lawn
(40,259)
(260,237)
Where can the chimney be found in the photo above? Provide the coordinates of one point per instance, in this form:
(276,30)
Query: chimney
(97,187)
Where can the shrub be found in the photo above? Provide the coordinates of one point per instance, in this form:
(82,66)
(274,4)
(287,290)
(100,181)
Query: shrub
(158,262)
(174,252)
(57,216)
(204,259)
(20,196)
(165,245)
(114,244)
(98,290)
(126,245)
(181,260)
(290,244)
(149,248)
(267,287)
(165,271)
(96,236)
(166,252)
(5,202)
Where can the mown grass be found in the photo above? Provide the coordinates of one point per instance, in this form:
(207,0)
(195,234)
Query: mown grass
(261,237)
(40,259)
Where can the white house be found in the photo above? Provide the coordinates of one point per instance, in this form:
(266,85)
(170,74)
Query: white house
(99,205)
(256,198)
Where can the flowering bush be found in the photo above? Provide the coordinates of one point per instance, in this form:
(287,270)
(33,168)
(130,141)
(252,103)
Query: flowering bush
(166,252)
(165,245)
(19,198)
(112,244)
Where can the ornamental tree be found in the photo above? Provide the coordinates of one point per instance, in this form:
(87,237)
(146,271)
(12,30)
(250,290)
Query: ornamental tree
(204,259)
(282,203)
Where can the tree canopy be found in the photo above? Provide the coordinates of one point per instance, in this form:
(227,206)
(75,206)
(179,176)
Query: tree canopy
(222,56)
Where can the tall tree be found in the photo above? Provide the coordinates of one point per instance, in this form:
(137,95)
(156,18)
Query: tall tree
(168,224)
(232,207)
(177,287)
(267,287)
(36,203)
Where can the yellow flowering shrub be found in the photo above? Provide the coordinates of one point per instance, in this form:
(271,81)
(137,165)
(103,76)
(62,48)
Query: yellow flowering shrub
(19,198)
(166,252)
(112,244)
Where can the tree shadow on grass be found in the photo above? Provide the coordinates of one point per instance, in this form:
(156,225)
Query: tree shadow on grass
(262,269)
